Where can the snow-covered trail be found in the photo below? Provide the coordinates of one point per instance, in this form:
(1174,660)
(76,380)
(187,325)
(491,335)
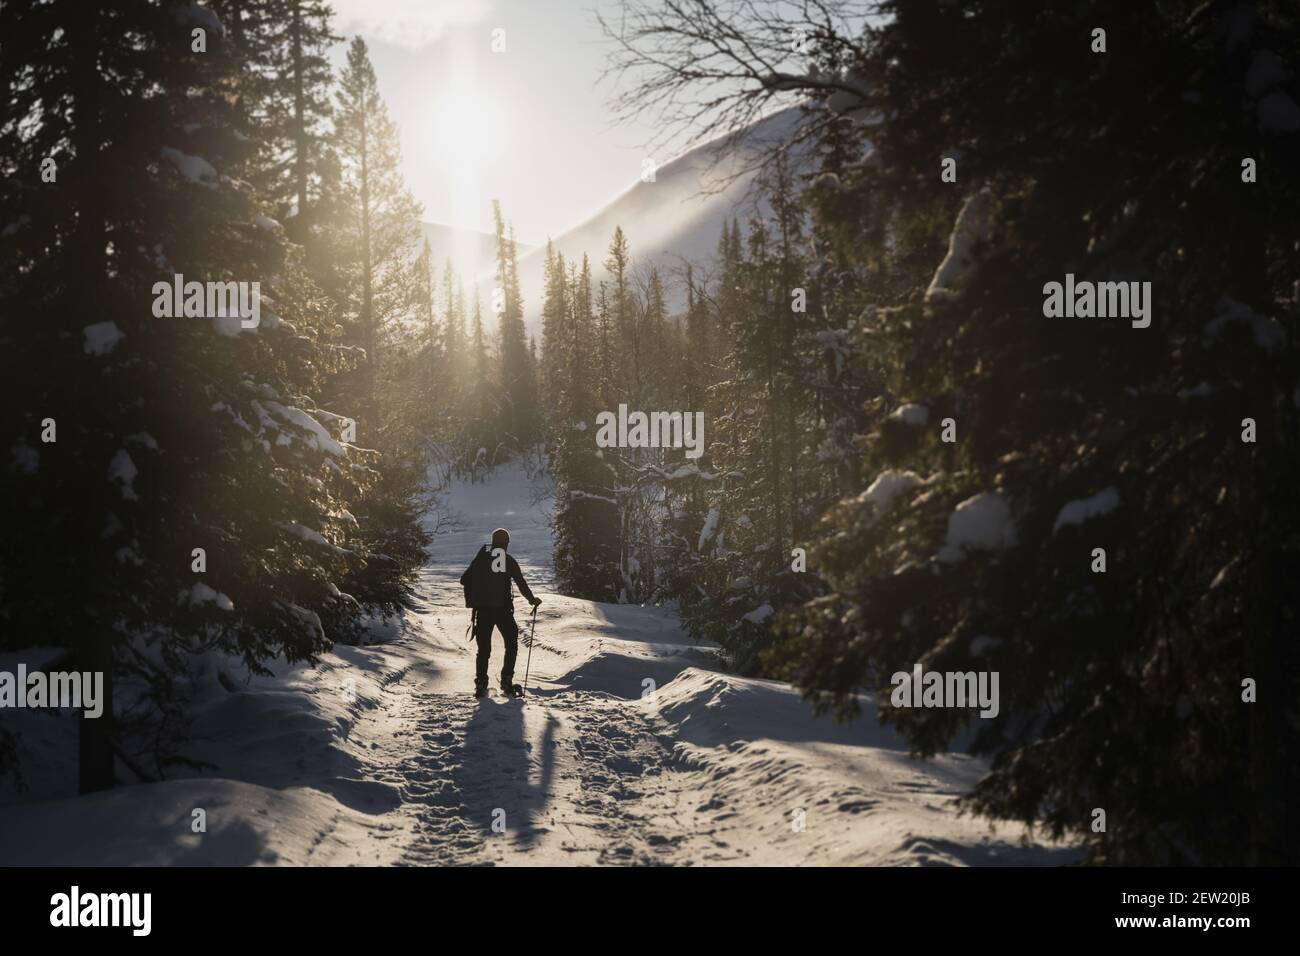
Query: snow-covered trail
(629,749)
(577,773)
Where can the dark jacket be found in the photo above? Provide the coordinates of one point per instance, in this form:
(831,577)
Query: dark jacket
(486,588)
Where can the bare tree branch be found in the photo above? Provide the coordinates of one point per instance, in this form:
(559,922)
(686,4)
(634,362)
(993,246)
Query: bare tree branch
(697,68)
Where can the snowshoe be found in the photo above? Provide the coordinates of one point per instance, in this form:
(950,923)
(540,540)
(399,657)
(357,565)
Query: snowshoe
(480,691)
(514,690)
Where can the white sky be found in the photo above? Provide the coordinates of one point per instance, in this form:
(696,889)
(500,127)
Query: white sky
(528,126)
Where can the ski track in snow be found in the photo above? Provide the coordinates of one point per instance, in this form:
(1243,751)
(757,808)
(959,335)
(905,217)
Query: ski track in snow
(411,769)
(585,771)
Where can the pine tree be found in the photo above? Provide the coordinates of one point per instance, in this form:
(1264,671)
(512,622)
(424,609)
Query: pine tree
(480,412)
(586,520)
(518,404)
(607,388)
(555,340)
(173,434)
(1121,688)
(618,264)
(378,225)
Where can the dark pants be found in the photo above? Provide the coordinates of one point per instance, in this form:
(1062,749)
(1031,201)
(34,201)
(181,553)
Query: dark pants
(503,619)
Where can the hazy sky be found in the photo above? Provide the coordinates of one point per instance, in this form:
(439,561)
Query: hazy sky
(528,126)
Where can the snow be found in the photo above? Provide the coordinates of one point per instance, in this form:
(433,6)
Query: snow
(200,593)
(710,528)
(25,458)
(1081,509)
(1268,333)
(267,223)
(980,523)
(198,15)
(123,471)
(101,337)
(306,534)
(972,228)
(911,414)
(690,470)
(827,181)
(759,614)
(227,326)
(631,749)
(889,484)
(578,494)
(1203,390)
(1278,113)
(319,437)
(676,218)
(1267,70)
(13,228)
(835,341)
(194,168)
(850,100)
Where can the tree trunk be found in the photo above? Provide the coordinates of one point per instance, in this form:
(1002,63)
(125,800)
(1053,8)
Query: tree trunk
(299,117)
(367,286)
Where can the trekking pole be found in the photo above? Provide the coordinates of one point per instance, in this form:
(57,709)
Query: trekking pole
(532,633)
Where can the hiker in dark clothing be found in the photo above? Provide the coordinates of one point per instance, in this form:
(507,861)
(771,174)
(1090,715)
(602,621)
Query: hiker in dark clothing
(487,591)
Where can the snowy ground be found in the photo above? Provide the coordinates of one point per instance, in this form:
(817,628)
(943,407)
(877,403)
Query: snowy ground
(380,755)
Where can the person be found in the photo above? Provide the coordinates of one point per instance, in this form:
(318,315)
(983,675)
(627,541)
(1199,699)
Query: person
(487,590)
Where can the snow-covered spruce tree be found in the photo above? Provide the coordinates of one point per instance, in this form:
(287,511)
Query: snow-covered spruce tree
(586,521)
(654,352)
(606,387)
(628,380)
(171,489)
(376,232)
(1114,528)
(285,89)
(687,482)
(369,249)
(519,424)
(481,406)
(766,484)
(613,325)
(555,338)
(418,396)
(451,348)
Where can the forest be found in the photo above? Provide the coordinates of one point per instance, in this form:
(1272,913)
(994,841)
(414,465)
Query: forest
(906,458)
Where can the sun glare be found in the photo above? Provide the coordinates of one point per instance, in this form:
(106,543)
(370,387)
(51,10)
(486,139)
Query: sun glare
(463,132)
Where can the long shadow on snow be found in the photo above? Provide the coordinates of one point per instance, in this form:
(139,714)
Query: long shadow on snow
(285,740)
(494,772)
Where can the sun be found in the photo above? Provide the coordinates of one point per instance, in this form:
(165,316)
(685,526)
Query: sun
(462,134)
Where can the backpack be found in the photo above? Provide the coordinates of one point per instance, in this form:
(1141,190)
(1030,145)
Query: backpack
(480,581)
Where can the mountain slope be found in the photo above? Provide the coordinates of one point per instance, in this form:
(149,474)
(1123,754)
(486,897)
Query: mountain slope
(473,253)
(677,217)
